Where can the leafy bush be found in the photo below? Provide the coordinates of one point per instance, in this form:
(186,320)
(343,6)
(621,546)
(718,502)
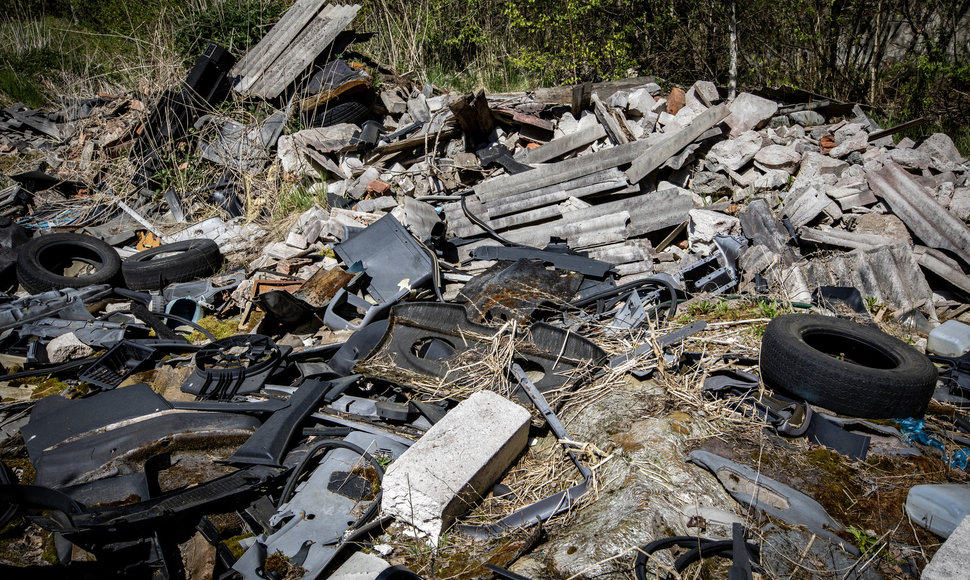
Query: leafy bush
(236,25)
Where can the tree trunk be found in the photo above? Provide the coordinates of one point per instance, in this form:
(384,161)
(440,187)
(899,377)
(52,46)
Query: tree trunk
(733,38)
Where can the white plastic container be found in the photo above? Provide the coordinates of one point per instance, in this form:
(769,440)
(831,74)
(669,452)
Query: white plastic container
(951,338)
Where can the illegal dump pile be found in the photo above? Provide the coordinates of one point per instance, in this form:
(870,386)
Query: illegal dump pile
(570,332)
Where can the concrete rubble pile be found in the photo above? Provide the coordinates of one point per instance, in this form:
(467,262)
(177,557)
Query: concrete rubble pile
(490,286)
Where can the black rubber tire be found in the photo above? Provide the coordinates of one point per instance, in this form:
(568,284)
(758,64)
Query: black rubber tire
(846,367)
(352,110)
(39,260)
(156,268)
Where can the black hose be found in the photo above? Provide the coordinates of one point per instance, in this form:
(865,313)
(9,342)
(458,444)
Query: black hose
(652,283)
(331,444)
(488,230)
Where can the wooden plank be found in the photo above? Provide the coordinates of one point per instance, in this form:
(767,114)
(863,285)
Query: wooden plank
(617,136)
(304,49)
(563,145)
(893,130)
(656,156)
(267,50)
(564,95)
(473,116)
(419,141)
(580,98)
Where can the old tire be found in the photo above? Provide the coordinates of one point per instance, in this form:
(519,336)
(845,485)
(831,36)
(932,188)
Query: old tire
(351,110)
(42,260)
(846,367)
(155,268)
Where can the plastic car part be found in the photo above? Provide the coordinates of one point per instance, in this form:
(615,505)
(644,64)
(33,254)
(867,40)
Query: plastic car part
(116,523)
(428,338)
(514,291)
(270,442)
(846,367)
(751,488)
(127,358)
(788,418)
(939,507)
(344,299)
(204,292)
(664,341)
(390,256)
(96,333)
(719,271)
(322,509)
(237,365)
(42,261)
(100,454)
(549,506)
(581,264)
(498,154)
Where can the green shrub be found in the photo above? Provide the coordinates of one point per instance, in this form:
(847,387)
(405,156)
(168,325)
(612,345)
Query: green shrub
(236,25)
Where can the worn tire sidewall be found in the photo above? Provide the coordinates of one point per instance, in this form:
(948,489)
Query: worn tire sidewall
(36,278)
(792,366)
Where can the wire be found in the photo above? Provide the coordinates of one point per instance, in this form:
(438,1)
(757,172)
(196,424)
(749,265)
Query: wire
(488,230)
(331,444)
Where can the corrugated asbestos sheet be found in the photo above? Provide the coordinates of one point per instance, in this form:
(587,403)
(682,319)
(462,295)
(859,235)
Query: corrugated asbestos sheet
(288,49)
(888,273)
(602,224)
(923,215)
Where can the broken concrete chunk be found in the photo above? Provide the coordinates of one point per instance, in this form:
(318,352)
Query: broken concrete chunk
(67,347)
(778,157)
(734,153)
(360,566)
(853,143)
(455,463)
(939,146)
(640,103)
(749,112)
(815,164)
(711,183)
(960,203)
(950,561)
(419,110)
(296,240)
(773,179)
(706,91)
(807,118)
(909,159)
(705,224)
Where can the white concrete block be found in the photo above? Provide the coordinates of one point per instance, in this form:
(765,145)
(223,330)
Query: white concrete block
(360,566)
(455,463)
(950,561)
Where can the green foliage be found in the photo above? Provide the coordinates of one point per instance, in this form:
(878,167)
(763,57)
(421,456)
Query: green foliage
(298,199)
(865,540)
(701,307)
(233,24)
(771,308)
(20,88)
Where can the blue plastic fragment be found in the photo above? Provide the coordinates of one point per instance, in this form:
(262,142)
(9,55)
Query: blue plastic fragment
(914,431)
